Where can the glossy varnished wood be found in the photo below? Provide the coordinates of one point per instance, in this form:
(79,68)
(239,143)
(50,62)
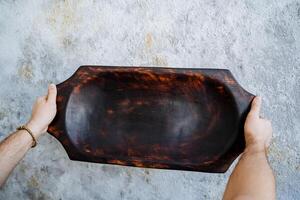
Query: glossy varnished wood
(169,118)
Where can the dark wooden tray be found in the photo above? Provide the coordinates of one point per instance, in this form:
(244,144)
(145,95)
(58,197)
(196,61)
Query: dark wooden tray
(168,118)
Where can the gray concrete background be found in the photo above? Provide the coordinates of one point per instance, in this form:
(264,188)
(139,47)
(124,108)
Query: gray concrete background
(45,41)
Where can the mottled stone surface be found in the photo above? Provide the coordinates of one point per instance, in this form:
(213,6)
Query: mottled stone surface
(45,41)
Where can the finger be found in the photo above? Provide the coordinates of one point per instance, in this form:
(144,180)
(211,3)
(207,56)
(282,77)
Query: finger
(52,92)
(255,106)
(41,98)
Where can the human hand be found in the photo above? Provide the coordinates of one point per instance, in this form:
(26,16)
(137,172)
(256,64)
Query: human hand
(43,112)
(258,131)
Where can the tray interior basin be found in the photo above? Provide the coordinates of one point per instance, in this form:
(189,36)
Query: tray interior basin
(164,117)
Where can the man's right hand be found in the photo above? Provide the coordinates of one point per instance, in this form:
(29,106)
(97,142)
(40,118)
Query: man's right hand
(258,131)
(252,177)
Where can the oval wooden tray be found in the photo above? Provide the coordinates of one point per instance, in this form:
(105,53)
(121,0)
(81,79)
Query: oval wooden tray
(168,118)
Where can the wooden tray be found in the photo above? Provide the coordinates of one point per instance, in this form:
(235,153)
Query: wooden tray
(168,118)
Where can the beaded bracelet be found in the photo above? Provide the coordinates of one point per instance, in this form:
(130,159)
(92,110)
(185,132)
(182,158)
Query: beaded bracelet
(30,133)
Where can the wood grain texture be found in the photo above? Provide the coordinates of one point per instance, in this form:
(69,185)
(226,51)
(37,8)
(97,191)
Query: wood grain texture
(168,118)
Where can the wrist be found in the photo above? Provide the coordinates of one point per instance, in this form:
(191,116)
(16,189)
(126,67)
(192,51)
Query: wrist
(36,130)
(255,148)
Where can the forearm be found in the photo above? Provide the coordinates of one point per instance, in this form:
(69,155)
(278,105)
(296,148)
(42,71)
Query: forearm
(14,147)
(252,178)
(12,150)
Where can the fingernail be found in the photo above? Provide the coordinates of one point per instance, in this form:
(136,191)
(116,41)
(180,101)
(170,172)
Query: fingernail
(52,85)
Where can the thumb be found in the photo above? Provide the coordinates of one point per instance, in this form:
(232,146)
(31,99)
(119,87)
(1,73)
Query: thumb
(255,106)
(52,92)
